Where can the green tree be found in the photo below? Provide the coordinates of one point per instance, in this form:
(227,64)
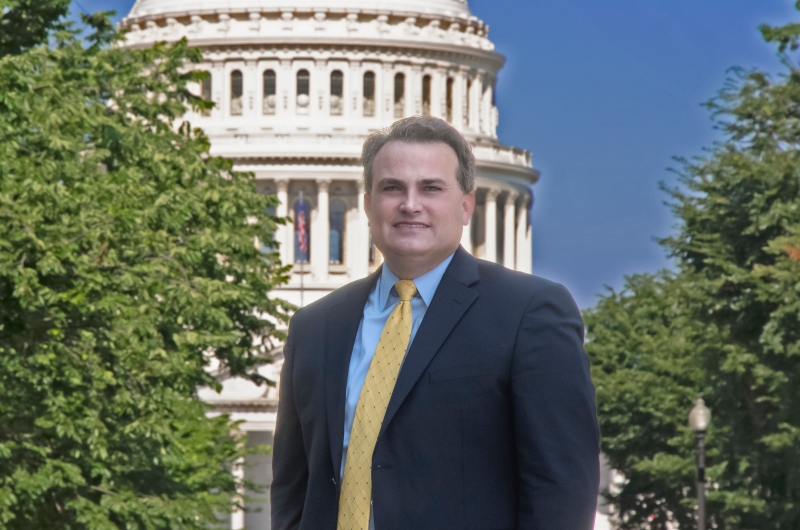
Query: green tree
(26,23)
(726,324)
(127,270)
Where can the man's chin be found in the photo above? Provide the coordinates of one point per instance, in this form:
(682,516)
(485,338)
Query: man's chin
(410,250)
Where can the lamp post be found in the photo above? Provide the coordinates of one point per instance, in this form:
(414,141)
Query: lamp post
(699,419)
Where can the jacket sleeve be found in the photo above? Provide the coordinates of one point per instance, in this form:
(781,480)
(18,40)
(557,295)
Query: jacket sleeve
(289,462)
(557,436)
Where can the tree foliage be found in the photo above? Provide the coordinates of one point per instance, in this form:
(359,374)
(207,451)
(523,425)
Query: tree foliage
(726,324)
(127,270)
(26,23)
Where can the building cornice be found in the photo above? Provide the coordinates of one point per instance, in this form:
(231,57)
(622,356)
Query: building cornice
(351,15)
(466,37)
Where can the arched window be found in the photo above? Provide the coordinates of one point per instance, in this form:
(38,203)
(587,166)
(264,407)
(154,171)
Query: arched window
(449,100)
(236,93)
(337,93)
(302,232)
(338,210)
(369,94)
(269,102)
(399,95)
(205,92)
(426,95)
(303,91)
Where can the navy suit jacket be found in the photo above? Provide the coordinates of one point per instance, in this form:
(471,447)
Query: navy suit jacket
(491,424)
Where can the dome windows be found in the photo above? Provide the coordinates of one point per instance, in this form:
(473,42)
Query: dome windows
(399,95)
(303,91)
(269,102)
(462,100)
(426,95)
(369,94)
(337,93)
(236,93)
(205,92)
(467,104)
(449,100)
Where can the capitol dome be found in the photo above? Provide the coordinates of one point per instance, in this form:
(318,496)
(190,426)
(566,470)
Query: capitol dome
(297,87)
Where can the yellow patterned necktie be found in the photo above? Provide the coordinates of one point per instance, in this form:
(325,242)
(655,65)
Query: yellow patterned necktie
(356,496)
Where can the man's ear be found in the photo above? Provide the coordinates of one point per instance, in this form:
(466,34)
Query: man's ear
(467,207)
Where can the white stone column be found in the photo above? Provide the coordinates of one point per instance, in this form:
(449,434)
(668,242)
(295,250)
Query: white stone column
(360,265)
(464,95)
(354,106)
(237,517)
(466,236)
(477,99)
(321,233)
(219,89)
(529,249)
(524,250)
(250,83)
(414,90)
(440,88)
(384,100)
(490,252)
(283,232)
(320,90)
(486,104)
(285,86)
(509,212)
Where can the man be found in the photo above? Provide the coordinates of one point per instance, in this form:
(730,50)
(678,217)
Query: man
(442,392)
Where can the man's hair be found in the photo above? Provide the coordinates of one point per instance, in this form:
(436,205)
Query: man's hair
(421,130)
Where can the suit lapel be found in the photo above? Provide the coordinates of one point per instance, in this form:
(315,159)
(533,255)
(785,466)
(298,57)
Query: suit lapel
(452,299)
(342,328)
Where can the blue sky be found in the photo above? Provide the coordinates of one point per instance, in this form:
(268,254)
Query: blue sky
(605,93)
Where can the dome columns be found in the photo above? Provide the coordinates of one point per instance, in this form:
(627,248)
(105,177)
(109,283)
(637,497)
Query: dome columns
(509,226)
(524,237)
(490,220)
(283,233)
(499,230)
(320,235)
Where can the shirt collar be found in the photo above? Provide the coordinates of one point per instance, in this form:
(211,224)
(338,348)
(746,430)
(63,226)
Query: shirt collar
(426,284)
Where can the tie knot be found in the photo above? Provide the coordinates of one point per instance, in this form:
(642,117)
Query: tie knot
(406,289)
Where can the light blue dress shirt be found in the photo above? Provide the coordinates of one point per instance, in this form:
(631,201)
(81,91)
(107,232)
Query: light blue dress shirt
(379,306)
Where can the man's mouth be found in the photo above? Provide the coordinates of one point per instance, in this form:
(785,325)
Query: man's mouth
(410,225)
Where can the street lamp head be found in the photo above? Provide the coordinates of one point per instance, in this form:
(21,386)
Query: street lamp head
(700,416)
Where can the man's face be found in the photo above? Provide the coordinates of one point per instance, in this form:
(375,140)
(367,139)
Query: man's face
(416,208)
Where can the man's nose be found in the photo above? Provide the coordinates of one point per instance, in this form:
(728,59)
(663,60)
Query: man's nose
(411,202)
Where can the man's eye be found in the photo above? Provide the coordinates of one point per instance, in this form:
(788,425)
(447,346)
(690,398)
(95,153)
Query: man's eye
(432,188)
(390,188)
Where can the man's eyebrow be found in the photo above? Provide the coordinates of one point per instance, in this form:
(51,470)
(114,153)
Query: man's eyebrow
(429,182)
(390,182)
